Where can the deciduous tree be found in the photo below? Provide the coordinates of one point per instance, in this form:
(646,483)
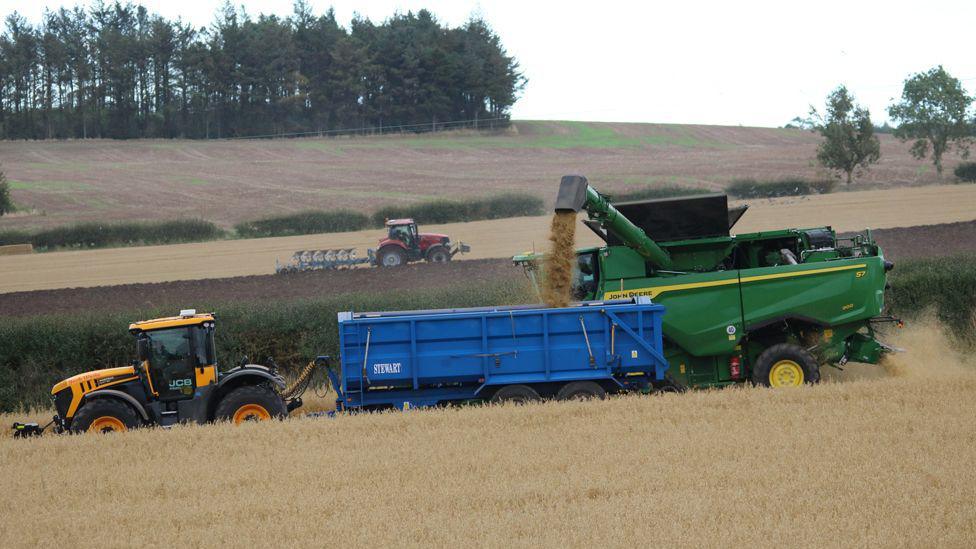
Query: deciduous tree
(849,143)
(934,111)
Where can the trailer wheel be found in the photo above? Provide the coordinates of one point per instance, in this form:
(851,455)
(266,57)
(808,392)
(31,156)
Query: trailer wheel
(251,403)
(438,254)
(785,365)
(581,390)
(518,394)
(104,415)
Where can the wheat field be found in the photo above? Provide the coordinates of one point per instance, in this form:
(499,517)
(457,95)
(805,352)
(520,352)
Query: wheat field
(871,457)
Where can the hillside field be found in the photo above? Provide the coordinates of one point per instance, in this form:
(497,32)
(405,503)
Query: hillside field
(872,457)
(227,181)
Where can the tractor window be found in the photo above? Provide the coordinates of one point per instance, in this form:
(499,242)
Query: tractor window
(203,345)
(585,276)
(171,362)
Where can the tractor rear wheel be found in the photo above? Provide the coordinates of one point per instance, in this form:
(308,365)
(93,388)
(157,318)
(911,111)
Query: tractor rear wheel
(251,403)
(581,390)
(392,256)
(104,415)
(517,394)
(438,254)
(785,365)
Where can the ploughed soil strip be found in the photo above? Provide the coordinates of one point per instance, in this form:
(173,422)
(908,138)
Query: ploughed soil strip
(927,240)
(190,293)
(901,243)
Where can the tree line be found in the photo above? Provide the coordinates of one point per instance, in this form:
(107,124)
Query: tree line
(118,71)
(934,112)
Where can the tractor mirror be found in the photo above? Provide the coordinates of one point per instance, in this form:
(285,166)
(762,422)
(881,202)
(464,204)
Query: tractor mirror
(142,347)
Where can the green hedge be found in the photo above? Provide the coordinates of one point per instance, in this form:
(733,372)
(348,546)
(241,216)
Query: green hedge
(651,193)
(966,171)
(945,285)
(101,235)
(36,352)
(752,188)
(450,211)
(308,222)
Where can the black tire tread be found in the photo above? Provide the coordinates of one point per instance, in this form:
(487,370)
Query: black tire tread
(811,369)
(585,389)
(100,407)
(250,394)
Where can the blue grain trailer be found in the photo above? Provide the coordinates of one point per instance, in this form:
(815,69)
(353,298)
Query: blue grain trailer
(425,358)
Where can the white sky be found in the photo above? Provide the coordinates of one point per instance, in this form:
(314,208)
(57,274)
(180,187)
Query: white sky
(735,62)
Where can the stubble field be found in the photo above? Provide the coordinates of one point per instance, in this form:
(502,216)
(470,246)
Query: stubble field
(853,211)
(871,457)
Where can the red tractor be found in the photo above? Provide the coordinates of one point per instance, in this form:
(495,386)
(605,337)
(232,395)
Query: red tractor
(404,244)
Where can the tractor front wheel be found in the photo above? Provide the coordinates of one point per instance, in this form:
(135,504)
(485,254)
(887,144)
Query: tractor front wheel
(438,254)
(785,365)
(251,403)
(104,415)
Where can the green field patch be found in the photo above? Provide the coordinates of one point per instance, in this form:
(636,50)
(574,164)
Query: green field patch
(195,181)
(49,186)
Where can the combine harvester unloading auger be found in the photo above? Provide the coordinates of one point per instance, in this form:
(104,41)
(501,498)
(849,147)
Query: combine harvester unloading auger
(403,244)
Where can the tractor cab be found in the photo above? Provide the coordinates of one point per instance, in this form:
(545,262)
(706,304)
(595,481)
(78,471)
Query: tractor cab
(405,231)
(176,354)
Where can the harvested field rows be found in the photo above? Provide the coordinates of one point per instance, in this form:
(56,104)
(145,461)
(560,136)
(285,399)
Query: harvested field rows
(875,460)
(228,181)
(489,239)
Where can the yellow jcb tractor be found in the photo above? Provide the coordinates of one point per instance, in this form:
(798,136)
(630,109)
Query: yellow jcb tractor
(174,380)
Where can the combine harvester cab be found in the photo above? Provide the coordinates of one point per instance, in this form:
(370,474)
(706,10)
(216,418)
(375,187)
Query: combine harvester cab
(768,307)
(425,358)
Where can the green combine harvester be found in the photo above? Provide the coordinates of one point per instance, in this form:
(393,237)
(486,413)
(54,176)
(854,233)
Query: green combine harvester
(770,307)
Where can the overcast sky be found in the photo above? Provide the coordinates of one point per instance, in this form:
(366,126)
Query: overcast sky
(734,63)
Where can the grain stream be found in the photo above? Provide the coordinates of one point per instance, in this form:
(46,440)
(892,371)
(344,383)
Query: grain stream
(557,289)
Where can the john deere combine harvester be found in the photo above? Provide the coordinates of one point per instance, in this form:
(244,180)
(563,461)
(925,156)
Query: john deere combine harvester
(771,306)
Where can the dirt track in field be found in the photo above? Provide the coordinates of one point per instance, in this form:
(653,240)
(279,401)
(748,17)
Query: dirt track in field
(903,207)
(898,244)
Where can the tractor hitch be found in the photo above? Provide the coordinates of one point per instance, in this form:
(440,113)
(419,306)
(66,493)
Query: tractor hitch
(27,430)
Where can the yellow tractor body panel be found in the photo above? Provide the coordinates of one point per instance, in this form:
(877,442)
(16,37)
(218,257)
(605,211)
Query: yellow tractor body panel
(85,383)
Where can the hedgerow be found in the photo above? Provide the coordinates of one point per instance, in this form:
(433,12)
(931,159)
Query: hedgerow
(943,285)
(36,352)
(752,188)
(450,211)
(100,235)
(650,193)
(307,222)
